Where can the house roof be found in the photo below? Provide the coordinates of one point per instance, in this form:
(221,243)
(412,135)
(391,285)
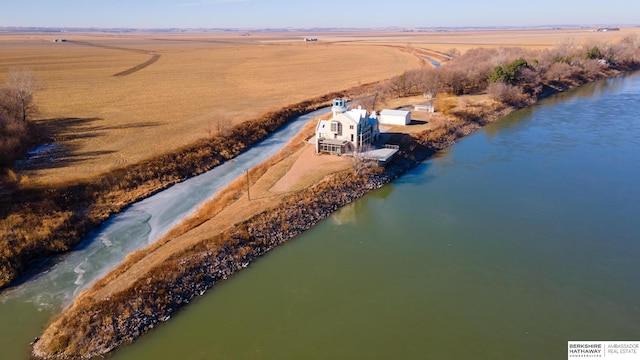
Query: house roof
(333,142)
(354,115)
(394,112)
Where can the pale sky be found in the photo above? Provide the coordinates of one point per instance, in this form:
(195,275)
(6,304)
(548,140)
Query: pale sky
(307,14)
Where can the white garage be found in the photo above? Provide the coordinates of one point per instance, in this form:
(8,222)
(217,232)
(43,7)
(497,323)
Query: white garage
(395,117)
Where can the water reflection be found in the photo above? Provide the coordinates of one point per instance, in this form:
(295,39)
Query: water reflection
(350,213)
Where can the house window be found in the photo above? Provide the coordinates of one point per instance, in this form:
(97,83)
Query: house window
(352,136)
(351,127)
(334,127)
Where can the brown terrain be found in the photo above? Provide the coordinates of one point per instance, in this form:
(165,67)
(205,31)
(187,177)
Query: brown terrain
(294,169)
(115,100)
(112,100)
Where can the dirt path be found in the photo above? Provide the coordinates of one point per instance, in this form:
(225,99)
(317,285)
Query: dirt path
(308,164)
(154,57)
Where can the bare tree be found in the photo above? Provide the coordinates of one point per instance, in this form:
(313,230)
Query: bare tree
(558,71)
(452,79)
(453,52)
(220,126)
(16,98)
(16,107)
(624,51)
(369,103)
(358,160)
(505,93)
(429,81)
(402,85)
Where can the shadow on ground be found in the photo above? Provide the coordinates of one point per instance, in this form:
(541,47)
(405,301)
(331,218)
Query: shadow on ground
(60,148)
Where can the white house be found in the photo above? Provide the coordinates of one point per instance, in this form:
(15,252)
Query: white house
(347,131)
(395,117)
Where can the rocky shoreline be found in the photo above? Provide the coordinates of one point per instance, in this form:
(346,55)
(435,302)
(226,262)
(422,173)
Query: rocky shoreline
(93,327)
(155,298)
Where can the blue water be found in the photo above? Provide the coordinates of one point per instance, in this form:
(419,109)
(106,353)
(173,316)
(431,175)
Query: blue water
(507,245)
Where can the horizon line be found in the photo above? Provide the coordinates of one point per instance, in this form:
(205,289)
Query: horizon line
(312,28)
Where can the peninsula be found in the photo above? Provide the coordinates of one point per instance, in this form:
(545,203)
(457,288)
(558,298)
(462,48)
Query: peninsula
(250,217)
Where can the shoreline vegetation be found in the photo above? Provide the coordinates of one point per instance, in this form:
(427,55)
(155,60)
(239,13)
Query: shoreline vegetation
(94,325)
(44,221)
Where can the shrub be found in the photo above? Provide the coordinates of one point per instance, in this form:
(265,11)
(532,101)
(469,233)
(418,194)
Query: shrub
(509,73)
(593,54)
(559,71)
(444,103)
(507,94)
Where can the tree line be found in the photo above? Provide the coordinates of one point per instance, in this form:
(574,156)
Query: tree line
(514,76)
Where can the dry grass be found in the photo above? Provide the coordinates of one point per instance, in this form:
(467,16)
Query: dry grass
(204,83)
(183,88)
(465,40)
(197,86)
(140,287)
(201,84)
(230,207)
(149,274)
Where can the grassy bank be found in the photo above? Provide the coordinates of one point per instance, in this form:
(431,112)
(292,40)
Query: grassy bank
(39,222)
(95,325)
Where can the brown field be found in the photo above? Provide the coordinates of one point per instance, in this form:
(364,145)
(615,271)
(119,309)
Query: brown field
(224,218)
(465,40)
(113,99)
(191,87)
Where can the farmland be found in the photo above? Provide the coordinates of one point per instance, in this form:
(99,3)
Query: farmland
(131,114)
(185,88)
(127,115)
(116,99)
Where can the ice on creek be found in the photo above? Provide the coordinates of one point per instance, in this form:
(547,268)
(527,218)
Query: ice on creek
(142,224)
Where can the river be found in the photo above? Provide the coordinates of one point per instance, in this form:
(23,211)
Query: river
(505,246)
(517,239)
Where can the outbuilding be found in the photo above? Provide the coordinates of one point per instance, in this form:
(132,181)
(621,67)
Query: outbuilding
(395,117)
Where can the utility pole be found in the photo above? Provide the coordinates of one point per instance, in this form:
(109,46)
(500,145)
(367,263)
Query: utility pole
(248,185)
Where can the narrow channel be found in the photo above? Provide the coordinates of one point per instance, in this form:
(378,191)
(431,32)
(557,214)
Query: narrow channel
(34,301)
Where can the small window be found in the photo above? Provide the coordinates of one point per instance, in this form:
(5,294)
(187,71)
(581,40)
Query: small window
(351,136)
(351,127)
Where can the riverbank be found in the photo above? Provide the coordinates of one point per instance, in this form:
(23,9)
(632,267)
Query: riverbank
(40,222)
(93,326)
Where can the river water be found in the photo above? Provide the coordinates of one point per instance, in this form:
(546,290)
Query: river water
(505,246)
(521,237)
